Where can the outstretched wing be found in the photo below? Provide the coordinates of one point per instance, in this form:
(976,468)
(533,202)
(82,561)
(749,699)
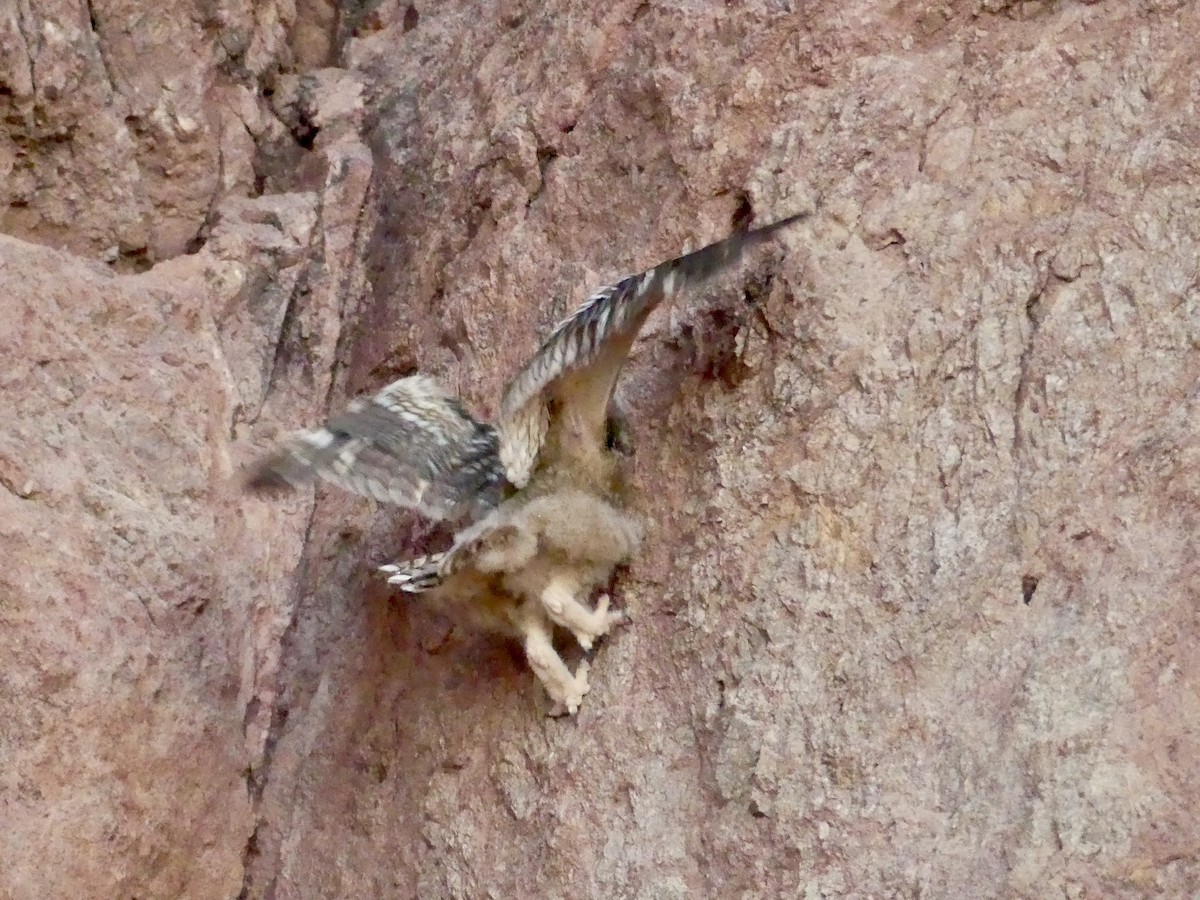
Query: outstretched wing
(411,444)
(577,365)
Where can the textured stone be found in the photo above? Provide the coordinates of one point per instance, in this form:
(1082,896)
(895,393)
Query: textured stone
(917,614)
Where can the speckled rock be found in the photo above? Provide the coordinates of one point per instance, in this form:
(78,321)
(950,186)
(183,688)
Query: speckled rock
(917,612)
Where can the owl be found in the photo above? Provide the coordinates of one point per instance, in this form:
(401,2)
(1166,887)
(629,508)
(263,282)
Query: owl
(545,495)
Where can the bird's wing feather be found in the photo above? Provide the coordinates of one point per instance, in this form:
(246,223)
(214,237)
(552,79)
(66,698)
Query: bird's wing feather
(411,444)
(577,366)
(494,544)
(415,576)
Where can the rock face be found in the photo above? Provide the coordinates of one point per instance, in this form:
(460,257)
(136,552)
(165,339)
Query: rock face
(917,615)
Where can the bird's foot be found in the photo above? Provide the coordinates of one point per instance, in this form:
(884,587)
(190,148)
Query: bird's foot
(571,692)
(589,626)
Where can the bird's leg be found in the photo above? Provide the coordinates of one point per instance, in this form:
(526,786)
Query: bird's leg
(586,624)
(565,689)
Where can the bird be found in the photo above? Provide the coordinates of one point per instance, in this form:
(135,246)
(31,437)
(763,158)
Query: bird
(545,495)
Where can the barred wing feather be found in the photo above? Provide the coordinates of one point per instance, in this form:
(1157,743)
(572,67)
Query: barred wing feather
(411,444)
(578,363)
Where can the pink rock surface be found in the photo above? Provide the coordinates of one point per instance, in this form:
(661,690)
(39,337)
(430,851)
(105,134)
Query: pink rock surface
(917,614)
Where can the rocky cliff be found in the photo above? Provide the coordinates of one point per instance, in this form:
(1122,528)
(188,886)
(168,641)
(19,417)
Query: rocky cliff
(918,611)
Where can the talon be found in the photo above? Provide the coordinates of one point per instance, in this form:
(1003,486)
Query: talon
(581,685)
